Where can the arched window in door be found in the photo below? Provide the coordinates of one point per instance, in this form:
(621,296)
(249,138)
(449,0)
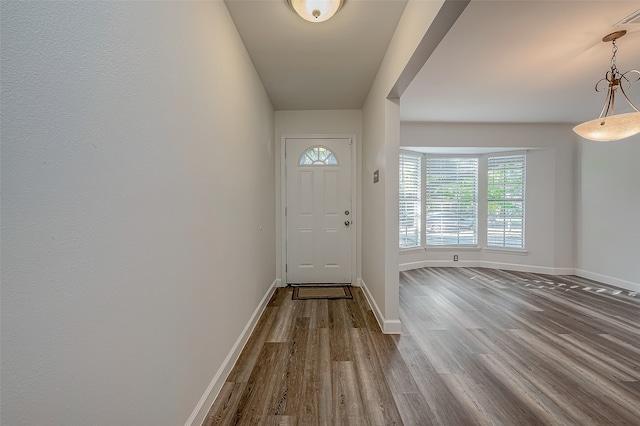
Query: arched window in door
(318,156)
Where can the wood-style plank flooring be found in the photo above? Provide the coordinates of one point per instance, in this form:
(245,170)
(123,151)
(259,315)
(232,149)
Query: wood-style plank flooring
(478,347)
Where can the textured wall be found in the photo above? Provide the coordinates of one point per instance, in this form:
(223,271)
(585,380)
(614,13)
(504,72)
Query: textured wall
(137,207)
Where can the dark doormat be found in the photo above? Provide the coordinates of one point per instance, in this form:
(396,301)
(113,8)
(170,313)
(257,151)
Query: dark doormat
(322,292)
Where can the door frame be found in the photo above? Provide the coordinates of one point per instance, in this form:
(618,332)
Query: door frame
(283,198)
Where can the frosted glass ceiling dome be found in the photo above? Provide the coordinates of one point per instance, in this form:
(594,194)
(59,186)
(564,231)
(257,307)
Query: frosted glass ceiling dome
(610,126)
(316,10)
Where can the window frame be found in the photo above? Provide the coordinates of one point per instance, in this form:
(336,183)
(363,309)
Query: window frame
(474,225)
(521,200)
(420,200)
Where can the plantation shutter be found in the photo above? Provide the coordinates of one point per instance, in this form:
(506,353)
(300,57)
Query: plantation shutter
(451,201)
(505,196)
(410,191)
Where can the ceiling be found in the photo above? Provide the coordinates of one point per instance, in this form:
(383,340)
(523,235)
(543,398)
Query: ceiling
(305,65)
(502,61)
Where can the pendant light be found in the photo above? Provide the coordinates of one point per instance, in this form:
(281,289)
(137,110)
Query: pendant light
(608,126)
(315,10)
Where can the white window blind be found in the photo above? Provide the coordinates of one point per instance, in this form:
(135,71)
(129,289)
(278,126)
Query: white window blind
(505,196)
(451,201)
(410,191)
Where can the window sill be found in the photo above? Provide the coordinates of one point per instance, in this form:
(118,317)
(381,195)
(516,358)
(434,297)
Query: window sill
(452,248)
(519,252)
(410,250)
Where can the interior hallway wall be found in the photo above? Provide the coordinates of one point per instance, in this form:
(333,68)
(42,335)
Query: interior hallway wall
(407,51)
(138,226)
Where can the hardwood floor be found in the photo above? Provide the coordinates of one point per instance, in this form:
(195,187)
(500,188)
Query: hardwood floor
(478,347)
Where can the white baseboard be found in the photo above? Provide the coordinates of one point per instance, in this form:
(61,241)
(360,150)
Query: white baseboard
(202,408)
(392,327)
(485,264)
(387,326)
(547,270)
(627,285)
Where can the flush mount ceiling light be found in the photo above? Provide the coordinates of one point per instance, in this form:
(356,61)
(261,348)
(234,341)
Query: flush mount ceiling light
(608,126)
(316,10)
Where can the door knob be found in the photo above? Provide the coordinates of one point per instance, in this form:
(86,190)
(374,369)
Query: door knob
(346,222)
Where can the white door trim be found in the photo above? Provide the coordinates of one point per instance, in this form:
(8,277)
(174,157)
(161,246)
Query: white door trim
(283,197)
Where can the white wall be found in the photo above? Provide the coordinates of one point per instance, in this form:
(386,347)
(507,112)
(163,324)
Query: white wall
(316,122)
(550,211)
(381,141)
(609,243)
(137,208)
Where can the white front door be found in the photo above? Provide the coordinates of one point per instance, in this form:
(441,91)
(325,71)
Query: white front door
(318,210)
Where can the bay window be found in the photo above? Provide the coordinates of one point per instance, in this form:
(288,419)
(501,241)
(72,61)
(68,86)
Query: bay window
(439,200)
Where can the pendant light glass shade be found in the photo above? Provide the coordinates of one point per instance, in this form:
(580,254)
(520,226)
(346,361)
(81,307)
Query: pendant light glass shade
(610,128)
(316,10)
